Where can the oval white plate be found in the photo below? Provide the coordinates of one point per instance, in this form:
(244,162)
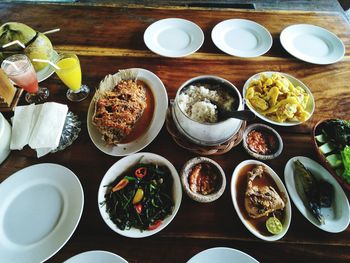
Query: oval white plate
(173,37)
(47,71)
(222,255)
(241,38)
(337,217)
(96,256)
(118,169)
(312,44)
(160,108)
(40,208)
(280,185)
(310,107)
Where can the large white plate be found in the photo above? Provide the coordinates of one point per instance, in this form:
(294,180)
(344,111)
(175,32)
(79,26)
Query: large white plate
(173,37)
(337,216)
(161,106)
(310,107)
(222,255)
(47,71)
(281,188)
(312,44)
(96,256)
(40,208)
(121,167)
(241,38)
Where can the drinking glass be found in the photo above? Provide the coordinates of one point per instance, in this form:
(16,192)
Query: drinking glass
(70,73)
(21,71)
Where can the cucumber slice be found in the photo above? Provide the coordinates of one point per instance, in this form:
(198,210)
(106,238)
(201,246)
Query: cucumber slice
(335,160)
(321,138)
(326,148)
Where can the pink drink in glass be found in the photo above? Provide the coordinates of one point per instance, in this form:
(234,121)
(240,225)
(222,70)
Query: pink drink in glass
(25,77)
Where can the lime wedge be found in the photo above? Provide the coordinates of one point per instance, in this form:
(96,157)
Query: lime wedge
(274,225)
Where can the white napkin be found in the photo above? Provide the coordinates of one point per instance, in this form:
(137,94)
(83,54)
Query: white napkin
(40,126)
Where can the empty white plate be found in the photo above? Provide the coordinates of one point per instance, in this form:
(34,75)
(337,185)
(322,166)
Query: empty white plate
(222,255)
(241,38)
(312,44)
(95,256)
(173,37)
(337,217)
(40,208)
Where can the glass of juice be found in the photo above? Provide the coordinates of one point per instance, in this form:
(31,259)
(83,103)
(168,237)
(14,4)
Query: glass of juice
(21,71)
(70,73)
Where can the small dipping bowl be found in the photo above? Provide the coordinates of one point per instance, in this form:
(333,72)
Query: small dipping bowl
(188,169)
(267,133)
(207,134)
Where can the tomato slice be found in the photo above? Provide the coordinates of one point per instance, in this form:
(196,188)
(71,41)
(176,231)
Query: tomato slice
(155,225)
(138,208)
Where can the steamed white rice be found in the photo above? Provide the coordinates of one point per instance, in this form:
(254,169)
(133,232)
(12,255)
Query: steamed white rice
(195,101)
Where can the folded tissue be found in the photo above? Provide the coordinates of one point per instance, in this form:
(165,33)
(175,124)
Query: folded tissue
(39,126)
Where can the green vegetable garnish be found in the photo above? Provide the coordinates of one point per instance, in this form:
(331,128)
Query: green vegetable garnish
(345,154)
(274,225)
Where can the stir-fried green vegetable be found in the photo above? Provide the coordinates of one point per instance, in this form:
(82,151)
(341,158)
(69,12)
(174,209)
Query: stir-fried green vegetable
(334,143)
(140,198)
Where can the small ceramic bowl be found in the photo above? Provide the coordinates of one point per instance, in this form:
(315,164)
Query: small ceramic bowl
(199,197)
(266,130)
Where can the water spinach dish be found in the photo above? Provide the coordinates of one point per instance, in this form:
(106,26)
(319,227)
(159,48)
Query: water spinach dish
(141,197)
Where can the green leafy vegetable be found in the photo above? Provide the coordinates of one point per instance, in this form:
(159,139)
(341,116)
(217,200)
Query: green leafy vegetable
(128,208)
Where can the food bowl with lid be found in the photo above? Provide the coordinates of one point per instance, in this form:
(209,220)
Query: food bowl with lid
(207,133)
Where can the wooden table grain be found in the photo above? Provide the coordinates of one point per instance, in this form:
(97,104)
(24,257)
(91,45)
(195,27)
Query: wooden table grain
(109,38)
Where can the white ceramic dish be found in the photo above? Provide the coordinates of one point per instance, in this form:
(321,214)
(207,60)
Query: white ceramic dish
(160,108)
(310,107)
(118,169)
(337,217)
(95,256)
(173,37)
(5,138)
(40,208)
(47,71)
(312,44)
(241,38)
(282,189)
(222,255)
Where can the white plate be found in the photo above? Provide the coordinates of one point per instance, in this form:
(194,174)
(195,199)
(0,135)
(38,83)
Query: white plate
(310,107)
(118,169)
(173,37)
(96,256)
(336,217)
(241,38)
(222,255)
(282,189)
(161,106)
(40,208)
(47,71)
(312,44)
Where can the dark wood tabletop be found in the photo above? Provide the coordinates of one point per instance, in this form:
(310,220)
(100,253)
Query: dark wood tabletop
(109,38)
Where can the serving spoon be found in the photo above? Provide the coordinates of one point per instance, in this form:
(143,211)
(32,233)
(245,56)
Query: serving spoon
(223,114)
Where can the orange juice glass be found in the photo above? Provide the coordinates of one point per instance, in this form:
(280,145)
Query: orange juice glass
(70,73)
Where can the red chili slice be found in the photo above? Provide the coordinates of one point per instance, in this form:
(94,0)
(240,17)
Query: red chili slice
(155,225)
(141,172)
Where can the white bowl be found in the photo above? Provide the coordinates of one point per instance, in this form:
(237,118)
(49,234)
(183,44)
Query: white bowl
(281,187)
(310,107)
(5,138)
(118,169)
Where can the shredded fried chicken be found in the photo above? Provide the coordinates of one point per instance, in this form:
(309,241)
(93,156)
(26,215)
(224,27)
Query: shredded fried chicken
(118,110)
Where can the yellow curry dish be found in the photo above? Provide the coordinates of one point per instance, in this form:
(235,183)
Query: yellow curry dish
(277,99)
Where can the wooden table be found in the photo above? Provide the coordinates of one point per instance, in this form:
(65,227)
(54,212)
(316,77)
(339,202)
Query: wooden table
(111,38)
